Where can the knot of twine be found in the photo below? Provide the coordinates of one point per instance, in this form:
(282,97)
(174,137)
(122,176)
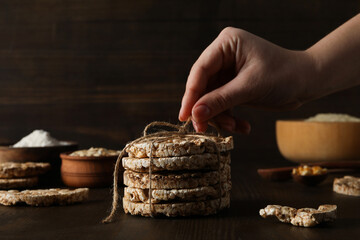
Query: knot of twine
(180,130)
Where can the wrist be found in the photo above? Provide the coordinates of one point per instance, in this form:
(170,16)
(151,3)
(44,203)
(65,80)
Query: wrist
(308,76)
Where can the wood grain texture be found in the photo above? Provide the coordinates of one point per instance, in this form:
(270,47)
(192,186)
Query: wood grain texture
(241,221)
(98,71)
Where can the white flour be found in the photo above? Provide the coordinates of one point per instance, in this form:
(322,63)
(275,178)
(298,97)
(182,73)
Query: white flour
(39,138)
(332,117)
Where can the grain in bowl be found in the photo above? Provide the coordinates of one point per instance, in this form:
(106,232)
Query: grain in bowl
(88,167)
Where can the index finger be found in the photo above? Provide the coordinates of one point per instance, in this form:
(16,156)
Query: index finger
(207,65)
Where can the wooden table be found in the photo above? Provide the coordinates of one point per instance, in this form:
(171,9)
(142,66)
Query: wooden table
(241,221)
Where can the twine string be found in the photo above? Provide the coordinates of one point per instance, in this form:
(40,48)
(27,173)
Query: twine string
(219,172)
(150,179)
(181,130)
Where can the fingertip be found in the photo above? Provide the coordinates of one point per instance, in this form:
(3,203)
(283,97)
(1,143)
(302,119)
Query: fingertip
(183,113)
(195,126)
(200,127)
(180,117)
(201,113)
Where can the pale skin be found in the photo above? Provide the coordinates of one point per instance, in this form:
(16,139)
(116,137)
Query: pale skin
(241,69)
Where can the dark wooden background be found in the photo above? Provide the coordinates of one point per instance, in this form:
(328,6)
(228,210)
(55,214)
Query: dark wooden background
(98,71)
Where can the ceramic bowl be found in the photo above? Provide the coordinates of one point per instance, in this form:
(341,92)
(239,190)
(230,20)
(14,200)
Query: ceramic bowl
(39,154)
(87,171)
(35,154)
(308,142)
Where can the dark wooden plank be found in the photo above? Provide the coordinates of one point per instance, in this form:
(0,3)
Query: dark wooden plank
(80,10)
(111,37)
(98,71)
(241,221)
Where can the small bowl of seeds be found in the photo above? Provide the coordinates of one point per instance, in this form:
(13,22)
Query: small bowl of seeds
(91,167)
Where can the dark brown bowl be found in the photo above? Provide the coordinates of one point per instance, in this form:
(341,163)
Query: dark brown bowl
(39,154)
(35,154)
(87,171)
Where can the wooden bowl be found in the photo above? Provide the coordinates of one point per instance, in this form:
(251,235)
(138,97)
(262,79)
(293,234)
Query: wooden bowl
(308,142)
(39,154)
(87,171)
(35,154)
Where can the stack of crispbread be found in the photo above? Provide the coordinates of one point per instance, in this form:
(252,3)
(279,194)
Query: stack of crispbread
(189,174)
(21,175)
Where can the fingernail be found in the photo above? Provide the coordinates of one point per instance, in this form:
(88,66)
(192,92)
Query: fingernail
(179,117)
(180,113)
(201,113)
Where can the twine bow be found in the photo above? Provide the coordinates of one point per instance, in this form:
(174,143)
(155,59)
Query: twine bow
(179,130)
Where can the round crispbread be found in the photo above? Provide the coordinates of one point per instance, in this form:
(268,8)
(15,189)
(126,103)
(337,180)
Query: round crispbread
(15,183)
(204,161)
(170,180)
(44,197)
(20,170)
(183,195)
(347,185)
(181,145)
(183,209)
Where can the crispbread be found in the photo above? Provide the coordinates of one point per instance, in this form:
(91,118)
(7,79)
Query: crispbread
(170,180)
(304,217)
(182,145)
(18,182)
(347,185)
(309,217)
(20,170)
(202,161)
(44,197)
(192,194)
(206,207)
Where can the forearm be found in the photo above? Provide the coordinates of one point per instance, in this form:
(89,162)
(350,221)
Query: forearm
(337,60)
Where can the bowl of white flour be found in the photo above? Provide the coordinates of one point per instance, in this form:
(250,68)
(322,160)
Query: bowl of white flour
(38,146)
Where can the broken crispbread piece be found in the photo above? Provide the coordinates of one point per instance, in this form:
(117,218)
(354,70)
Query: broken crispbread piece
(15,183)
(44,197)
(304,217)
(182,145)
(283,213)
(204,161)
(21,170)
(206,207)
(347,185)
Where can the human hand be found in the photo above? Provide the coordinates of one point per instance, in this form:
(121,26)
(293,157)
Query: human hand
(239,68)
